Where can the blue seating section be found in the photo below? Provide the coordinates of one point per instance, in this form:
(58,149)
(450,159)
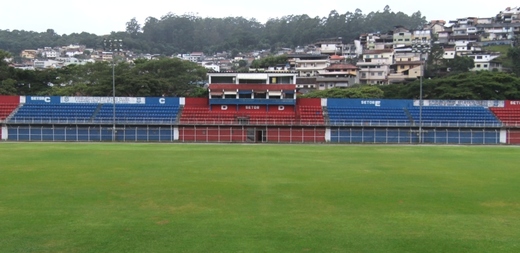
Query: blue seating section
(129,113)
(352,112)
(48,113)
(89,113)
(454,115)
(367,115)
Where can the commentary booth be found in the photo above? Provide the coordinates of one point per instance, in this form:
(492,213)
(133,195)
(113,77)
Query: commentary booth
(252,107)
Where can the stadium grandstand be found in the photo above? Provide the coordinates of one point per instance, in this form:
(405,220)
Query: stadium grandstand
(258,108)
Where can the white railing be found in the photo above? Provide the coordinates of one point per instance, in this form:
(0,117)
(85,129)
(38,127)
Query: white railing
(251,122)
(144,121)
(406,123)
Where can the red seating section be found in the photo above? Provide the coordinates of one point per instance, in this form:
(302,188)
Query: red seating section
(7,105)
(509,116)
(6,110)
(311,115)
(199,115)
(308,112)
(202,115)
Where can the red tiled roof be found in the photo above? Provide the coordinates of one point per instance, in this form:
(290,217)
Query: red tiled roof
(337,57)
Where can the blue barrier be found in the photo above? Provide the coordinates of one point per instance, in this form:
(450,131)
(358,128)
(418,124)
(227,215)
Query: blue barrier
(162,101)
(42,100)
(380,103)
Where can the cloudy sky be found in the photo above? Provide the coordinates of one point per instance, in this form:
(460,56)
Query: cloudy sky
(103,16)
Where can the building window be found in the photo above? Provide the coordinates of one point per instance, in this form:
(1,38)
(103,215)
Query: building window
(485,65)
(478,65)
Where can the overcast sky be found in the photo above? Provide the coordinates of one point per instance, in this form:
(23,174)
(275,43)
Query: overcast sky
(103,16)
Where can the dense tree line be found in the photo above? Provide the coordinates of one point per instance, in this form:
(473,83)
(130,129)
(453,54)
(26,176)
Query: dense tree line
(480,85)
(173,33)
(162,77)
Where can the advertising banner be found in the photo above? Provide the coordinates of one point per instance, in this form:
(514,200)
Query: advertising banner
(162,101)
(385,103)
(512,103)
(102,100)
(42,100)
(475,103)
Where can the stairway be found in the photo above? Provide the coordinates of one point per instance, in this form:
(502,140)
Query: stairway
(409,115)
(13,113)
(325,115)
(96,112)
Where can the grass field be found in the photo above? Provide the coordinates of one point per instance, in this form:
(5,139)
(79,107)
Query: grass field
(258,198)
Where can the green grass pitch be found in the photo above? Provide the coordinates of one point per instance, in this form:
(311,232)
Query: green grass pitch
(258,198)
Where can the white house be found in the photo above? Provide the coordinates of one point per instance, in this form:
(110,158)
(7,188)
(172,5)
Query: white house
(484,61)
(211,66)
(309,65)
(375,66)
(51,54)
(46,64)
(449,53)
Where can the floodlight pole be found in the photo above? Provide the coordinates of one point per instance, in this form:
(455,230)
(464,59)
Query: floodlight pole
(113,45)
(113,98)
(421,47)
(421,102)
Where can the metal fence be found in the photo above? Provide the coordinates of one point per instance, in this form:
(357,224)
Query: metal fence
(261,134)
(79,133)
(411,135)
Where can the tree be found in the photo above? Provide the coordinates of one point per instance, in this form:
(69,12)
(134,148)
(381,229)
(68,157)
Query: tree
(133,27)
(198,92)
(435,62)
(3,58)
(241,66)
(8,87)
(166,76)
(269,61)
(514,55)
(481,85)
(364,91)
(461,64)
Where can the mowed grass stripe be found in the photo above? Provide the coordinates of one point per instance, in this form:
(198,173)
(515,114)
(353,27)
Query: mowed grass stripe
(72,197)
